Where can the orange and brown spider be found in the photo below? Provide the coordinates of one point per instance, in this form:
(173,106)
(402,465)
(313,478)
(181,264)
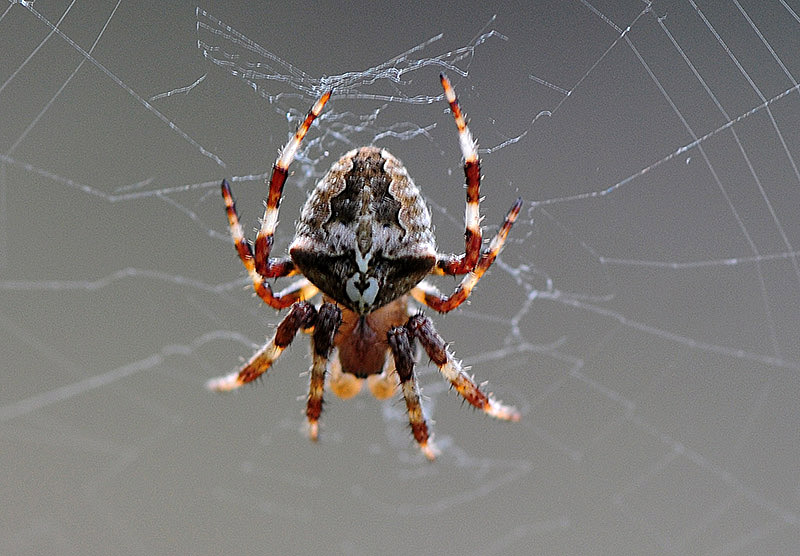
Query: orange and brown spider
(364,240)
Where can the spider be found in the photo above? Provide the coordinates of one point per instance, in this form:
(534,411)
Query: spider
(364,240)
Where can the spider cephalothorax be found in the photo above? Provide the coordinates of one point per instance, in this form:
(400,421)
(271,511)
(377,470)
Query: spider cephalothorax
(364,241)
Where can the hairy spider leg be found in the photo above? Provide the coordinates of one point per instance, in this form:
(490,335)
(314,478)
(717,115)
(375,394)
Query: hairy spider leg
(278,267)
(280,170)
(427,294)
(301,315)
(401,345)
(329,317)
(302,288)
(461,264)
(421,328)
(260,267)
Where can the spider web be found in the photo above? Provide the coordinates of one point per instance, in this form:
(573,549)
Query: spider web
(643,315)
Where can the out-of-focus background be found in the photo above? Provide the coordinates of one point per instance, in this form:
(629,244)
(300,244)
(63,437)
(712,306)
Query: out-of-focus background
(643,316)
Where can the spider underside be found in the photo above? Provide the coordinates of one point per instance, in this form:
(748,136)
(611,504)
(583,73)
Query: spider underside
(364,241)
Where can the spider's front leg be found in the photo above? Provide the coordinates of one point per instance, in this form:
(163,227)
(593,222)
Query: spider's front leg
(329,317)
(401,342)
(301,315)
(422,328)
(427,294)
(280,170)
(276,268)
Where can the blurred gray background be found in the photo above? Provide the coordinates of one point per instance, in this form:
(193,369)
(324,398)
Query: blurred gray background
(643,315)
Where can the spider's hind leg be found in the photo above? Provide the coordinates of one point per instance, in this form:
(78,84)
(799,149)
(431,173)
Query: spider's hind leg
(428,295)
(473,238)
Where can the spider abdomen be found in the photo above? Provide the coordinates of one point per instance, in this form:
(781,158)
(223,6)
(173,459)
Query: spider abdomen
(364,236)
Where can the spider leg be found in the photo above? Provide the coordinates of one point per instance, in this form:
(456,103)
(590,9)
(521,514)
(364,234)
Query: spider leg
(260,266)
(301,315)
(329,317)
(277,269)
(300,289)
(422,328)
(280,170)
(424,293)
(401,344)
(461,264)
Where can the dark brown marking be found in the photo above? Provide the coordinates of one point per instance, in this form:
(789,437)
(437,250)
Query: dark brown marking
(472,173)
(264,238)
(276,183)
(367,174)
(329,318)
